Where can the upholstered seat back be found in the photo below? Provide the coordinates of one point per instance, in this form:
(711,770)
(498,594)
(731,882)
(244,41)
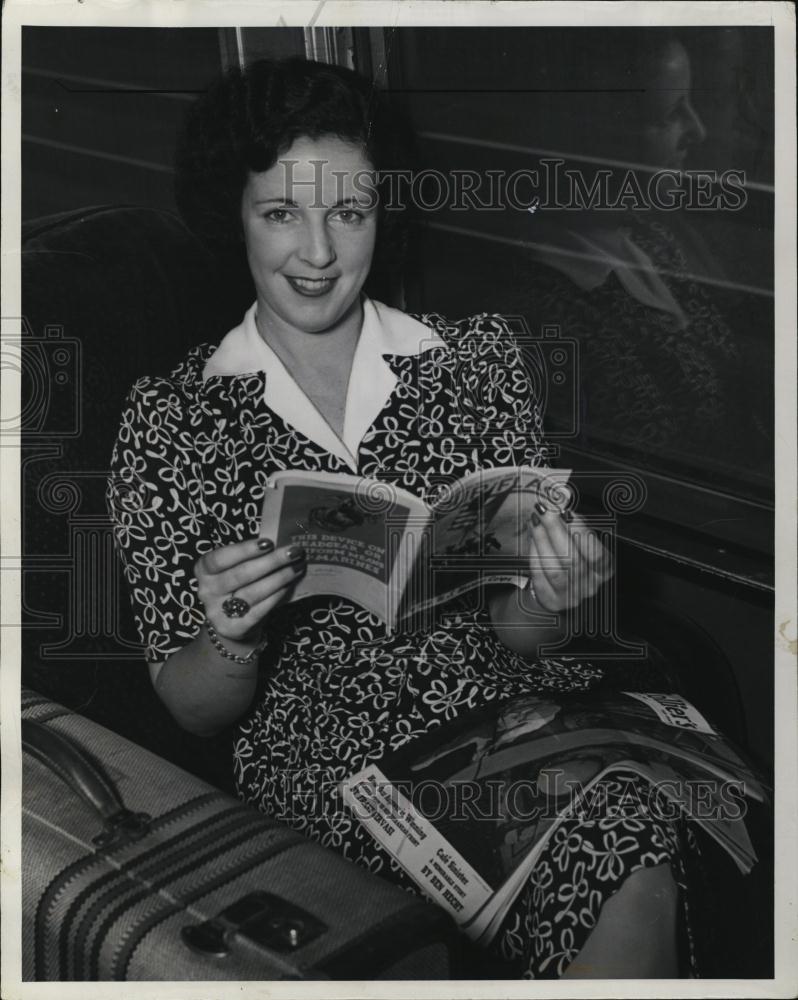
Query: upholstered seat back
(108,294)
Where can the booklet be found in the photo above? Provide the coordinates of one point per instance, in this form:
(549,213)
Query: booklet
(468,808)
(385,549)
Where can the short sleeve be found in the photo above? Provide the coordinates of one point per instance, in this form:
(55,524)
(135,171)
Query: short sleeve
(500,394)
(154,500)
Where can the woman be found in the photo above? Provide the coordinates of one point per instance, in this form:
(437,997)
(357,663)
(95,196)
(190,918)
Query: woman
(284,160)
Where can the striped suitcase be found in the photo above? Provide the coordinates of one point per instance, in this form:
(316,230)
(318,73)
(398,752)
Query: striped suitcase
(135,870)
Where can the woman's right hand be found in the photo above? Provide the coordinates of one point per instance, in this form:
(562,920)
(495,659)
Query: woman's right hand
(253,571)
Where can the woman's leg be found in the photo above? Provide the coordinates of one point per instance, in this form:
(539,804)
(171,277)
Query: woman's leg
(635,937)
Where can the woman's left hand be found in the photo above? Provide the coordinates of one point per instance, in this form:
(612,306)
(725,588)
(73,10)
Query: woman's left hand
(567,561)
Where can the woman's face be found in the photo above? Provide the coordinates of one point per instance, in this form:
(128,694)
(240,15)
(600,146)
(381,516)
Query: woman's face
(673,124)
(310,223)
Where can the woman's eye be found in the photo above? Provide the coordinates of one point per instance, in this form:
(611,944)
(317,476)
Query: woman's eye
(277,215)
(349,216)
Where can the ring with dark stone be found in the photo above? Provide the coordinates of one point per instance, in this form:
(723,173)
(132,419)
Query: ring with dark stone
(235,607)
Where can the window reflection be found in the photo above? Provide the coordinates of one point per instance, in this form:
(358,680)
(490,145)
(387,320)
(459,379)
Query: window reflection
(651,246)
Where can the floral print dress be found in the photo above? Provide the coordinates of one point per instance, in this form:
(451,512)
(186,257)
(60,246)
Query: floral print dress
(189,470)
(665,383)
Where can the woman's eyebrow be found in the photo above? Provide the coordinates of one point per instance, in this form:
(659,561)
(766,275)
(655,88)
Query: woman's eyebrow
(277,201)
(343,203)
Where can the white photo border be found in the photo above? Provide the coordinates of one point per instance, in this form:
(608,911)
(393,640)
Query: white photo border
(398,13)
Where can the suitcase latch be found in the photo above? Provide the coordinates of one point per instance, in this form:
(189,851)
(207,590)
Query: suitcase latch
(123,827)
(264,918)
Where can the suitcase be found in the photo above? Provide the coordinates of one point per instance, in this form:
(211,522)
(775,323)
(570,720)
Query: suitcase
(135,870)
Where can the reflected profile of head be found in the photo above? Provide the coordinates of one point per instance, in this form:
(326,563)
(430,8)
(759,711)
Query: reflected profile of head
(623,97)
(284,163)
(670,124)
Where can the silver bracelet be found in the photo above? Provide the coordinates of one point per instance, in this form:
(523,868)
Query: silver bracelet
(529,589)
(220,647)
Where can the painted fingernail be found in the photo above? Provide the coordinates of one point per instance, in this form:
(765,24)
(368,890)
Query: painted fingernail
(541,508)
(265,544)
(567,516)
(535,520)
(296,553)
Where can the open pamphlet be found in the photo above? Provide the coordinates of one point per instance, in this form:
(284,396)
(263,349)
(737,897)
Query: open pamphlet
(468,808)
(385,549)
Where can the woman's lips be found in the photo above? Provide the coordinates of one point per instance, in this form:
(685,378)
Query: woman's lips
(310,287)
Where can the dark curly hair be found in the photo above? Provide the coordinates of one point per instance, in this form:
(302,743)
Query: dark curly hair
(248,118)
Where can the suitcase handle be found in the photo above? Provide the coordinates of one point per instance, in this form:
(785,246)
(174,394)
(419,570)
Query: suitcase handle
(87,778)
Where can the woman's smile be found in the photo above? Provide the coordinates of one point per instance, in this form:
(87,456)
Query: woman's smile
(312,287)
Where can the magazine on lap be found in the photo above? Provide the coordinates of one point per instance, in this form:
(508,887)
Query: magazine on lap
(467,809)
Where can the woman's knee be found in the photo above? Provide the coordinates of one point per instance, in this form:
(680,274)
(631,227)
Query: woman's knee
(635,936)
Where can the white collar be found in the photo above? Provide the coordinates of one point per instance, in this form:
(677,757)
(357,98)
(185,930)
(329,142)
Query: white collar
(371,380)
(589,258)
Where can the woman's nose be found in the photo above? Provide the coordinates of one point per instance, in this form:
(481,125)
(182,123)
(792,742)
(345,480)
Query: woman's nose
(317,246)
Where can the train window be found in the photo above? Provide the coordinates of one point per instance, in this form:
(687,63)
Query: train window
(615,191)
